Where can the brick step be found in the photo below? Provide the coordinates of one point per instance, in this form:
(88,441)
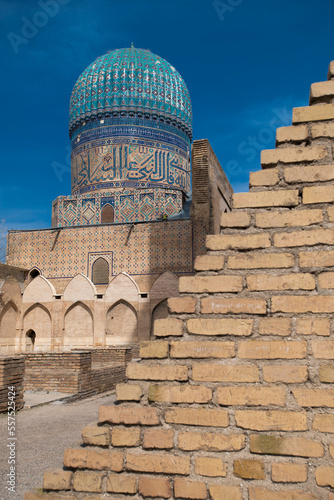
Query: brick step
(293,154)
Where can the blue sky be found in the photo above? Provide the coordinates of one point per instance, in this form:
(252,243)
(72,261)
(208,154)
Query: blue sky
(246,63)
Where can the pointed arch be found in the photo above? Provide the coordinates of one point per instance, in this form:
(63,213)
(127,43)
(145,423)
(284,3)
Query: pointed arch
(78,325)
(107,214)
(100,271)
(122,321)
(11,291)
(9,320)
(38,318)
(39,290)
(122,287)
(79,288)
(166,285)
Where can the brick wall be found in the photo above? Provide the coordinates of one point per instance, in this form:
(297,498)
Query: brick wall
(11,374)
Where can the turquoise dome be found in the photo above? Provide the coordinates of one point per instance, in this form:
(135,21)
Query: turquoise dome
(131,82)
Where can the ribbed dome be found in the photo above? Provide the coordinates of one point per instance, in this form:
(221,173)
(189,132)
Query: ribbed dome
(131,82)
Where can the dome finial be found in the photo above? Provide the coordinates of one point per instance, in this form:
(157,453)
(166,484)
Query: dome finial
(132,46)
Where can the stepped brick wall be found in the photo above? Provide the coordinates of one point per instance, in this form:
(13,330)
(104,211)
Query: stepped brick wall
(233,399)
(11,375)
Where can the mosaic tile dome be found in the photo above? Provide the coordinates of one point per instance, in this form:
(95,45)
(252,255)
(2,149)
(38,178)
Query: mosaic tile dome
(131,82)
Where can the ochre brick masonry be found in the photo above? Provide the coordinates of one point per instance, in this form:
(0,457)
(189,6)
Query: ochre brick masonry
(11,374)
(234,398)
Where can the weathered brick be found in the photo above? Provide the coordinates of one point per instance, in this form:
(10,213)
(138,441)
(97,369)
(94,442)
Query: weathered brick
(285,446)
(304,238)
(272,349)
(264,177)
(209,262)
(47,496)
(237,241)
(294,133)
(217,305)
(158,438)
(162,463)
(249,469)
(326,280)
(259,260)
(271,420)
(183,488)
(314,397)
(317,259)
(154,487)
(128,392)
(179,394)
(318,194)
(323,349)
(171,326)
(322,89)
(87,481)
(222,326)
(128,416)
(257,493)
(289,473)
(121,483)
(57,479)
(331,450)
(95,460)
(157,372)
(197,417)
(288,219)
(225,373)
(275,326)
(251,396)
(330,212)
(322,130)
(95,435)
(235,219)
(210,284)
(302,304)
(124,436)
(326,374)
(325,476)
(211,467)
(202,349)
(293,155)
(315,173)
(262,199)
(313,114)
(313,326)
(154,349)
(210,441)
(287,374)
(295,281)
(225,492)
(323,423)
(180,305)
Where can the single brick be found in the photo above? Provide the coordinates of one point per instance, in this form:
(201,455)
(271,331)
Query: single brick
(331,450)
(183,488)
(125,436)
(222,326)
(271,420)
(313,326)
(251,396)
(87,481)
(272,349)
(210,441)
(323,423)
(259,260)
(257,493)
(217,305)
(95,460)
(314,397)
(210,284)
(275,326)
(325,476)
(128,416)
(323,349)
(302,304)
(179,394)
(154,487)
(330,74)
(295,281)
(304,238)
(180,305)
(289,473)
(326,280)
(202,349)
(315,173)
(162,463)
(318,194)
(224,492)
(225,373)
(286,374)
(158,438)
(313,114)
(209,262)
(330,211)
(154,349)
(326,374)
(285,446)
(128,392)
(264,177)
(96,435)
(317,259)
(235,219)
(156,372)
(237,241)
(322,130)
(249,469)
(321,89)
(292,155)
(171,326)
(197,417)
(211,467)
(294,133)
(288,219)
(263,199)
(57,479)
(121,483)
(47,496)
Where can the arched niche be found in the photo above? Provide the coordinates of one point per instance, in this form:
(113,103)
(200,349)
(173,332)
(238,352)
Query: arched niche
(166,285)
(11,291)
(122,287)
(38,319)
(79,288)
(39,290)
(122,322)
(79,325)
(100,271)
(159,312)
(8,321)
(107,214)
